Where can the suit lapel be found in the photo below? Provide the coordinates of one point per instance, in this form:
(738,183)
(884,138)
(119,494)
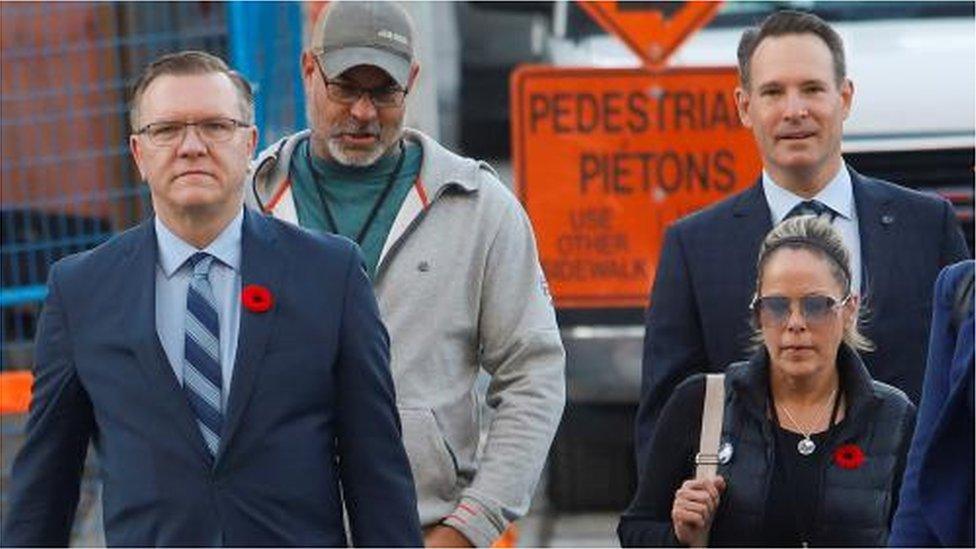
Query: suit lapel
(876,226)
(752,221)
(137,286)
(260,264)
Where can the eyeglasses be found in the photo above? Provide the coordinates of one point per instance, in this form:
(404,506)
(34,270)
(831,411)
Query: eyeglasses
(343,92)
(775,311)
(211,130)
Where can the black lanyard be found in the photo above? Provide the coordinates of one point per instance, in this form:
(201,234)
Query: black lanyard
(319,182)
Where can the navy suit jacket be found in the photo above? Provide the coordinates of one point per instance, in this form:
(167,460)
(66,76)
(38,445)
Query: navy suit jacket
(698,320)
(311,424)
(936,504)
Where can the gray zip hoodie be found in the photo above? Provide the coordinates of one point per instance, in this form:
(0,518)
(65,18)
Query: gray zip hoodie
(460,289)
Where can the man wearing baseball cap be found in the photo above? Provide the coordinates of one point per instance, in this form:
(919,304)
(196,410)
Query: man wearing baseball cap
(454,265)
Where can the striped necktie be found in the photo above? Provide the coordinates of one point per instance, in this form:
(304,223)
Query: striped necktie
(812,207)
(201,364)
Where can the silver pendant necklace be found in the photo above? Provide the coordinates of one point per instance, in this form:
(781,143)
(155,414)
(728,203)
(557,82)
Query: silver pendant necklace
(807,446)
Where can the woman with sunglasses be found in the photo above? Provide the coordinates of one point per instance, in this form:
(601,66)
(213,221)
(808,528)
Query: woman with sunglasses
(812,449)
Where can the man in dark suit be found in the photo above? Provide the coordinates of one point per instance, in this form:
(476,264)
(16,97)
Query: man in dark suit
(936,507)
(232,397)
(795,96)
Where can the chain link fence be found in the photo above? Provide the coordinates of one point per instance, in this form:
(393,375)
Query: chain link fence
(67,182)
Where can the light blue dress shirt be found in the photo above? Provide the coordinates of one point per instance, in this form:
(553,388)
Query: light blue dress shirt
(839,196)
(173,276)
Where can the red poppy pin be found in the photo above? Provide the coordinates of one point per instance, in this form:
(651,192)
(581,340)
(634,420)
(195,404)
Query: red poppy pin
(849,456)
(256,298)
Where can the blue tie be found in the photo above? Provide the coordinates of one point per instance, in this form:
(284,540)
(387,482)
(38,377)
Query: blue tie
(812,207)
(201,365)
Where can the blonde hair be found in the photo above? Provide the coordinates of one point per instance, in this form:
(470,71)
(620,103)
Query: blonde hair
(817,236)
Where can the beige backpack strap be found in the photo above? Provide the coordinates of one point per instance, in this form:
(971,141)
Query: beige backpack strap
(706,460)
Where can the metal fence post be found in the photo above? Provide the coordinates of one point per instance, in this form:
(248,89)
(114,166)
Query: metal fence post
(265,42)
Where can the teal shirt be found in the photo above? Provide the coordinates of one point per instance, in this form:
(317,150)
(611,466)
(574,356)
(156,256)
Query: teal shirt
(351,193)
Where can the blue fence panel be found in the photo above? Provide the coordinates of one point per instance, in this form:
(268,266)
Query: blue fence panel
(265,46)
(67,181)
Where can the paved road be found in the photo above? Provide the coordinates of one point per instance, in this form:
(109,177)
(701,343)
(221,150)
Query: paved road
(576,530)
(544,527)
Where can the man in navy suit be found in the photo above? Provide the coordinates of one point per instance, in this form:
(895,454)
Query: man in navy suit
(794,94)
(936,506)
(232,397)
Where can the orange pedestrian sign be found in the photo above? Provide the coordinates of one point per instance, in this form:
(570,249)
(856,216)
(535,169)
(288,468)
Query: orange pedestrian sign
(653,30)
(605,159)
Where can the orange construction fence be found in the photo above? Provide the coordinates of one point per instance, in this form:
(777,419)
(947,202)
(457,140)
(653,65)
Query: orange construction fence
(15,391)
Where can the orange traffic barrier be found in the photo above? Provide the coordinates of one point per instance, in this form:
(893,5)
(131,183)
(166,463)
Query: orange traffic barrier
(15,391)
(509,538)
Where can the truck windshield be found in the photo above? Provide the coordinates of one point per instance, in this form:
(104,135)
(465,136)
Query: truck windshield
(742,14)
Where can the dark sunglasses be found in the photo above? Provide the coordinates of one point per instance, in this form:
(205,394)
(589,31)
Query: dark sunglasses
(774,311)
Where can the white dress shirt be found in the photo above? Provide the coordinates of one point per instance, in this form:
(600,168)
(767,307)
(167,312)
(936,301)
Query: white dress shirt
(838,195)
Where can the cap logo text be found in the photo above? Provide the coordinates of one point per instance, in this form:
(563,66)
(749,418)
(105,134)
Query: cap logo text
(390,35)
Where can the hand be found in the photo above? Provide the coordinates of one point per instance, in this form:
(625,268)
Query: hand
(694,507)
(441,535)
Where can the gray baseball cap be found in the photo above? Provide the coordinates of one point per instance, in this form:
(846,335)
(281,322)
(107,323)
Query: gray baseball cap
(365,33)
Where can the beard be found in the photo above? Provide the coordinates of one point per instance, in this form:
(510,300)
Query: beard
(359,157)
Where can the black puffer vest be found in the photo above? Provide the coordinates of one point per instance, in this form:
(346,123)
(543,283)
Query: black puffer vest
(854,505)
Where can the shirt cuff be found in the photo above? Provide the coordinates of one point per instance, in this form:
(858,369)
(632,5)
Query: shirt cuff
(471,519)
